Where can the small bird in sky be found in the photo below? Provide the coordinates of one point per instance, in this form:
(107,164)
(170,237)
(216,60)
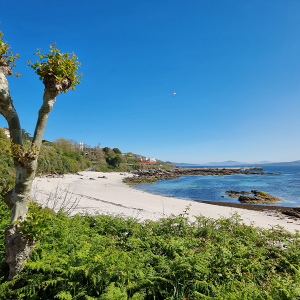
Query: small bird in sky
(174,94)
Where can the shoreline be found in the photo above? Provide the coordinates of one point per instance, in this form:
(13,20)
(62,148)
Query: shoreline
(110,195)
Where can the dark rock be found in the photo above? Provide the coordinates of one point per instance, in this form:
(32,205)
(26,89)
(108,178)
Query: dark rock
(259,197)
(237,192)
(293,212)
(250,199)
(232,196)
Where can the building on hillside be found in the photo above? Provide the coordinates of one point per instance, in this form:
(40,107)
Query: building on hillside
(150,159)
(139,157)
(81,146)
(6,131)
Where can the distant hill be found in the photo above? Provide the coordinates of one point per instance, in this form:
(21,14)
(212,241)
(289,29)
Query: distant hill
(229,163)
(289,163)
(232,163)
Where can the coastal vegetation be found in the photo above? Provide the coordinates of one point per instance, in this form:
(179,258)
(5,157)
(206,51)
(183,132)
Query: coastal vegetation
(105,257)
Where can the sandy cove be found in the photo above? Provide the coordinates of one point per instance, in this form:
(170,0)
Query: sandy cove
(110,195)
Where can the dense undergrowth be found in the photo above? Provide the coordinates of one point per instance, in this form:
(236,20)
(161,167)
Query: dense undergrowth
(51,160)
(105,257)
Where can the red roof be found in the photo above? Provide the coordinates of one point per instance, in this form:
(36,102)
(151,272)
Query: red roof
(146,162)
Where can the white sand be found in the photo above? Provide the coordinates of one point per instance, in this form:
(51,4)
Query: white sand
(112,196)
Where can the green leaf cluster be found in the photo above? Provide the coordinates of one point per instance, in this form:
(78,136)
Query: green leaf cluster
(58,65)
(37,222)
(6,55)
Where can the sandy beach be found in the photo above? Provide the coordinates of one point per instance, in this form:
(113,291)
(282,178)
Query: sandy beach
(90,193)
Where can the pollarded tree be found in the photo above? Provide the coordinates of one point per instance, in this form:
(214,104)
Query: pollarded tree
(58,71)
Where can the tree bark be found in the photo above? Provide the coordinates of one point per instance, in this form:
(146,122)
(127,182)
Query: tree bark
(48,102)
(17,248)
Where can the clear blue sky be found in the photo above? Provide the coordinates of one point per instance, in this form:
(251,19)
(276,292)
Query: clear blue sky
(235,66)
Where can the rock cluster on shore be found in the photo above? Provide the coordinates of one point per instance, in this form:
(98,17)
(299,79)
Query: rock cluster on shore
(152,175)
(258,197)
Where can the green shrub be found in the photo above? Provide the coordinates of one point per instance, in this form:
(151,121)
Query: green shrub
(117,151)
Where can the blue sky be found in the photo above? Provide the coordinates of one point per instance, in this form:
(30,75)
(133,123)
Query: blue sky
(234,64)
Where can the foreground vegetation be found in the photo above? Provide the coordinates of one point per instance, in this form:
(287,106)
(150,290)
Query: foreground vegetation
(105,257)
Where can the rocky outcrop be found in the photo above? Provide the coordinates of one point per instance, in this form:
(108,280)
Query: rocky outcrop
(152,175)
(250,199)
(232,196)
(259,197)
(237,192)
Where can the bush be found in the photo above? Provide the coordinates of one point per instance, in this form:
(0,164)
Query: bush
(113,159)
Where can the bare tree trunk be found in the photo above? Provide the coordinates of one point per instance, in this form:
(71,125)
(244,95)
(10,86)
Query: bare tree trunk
(17,248)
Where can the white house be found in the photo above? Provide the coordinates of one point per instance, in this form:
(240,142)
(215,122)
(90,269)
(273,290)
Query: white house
(139,157)
(6,131)
(151,159)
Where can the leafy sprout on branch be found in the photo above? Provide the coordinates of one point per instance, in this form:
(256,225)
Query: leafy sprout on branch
(60,67)
(7,59)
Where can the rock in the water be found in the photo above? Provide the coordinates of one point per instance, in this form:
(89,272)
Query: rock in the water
(237,192)
(259,197)
(232,196)
(250,199)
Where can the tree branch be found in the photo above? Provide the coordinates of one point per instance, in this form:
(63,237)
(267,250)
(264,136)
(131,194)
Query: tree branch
(8,111)
(48,102)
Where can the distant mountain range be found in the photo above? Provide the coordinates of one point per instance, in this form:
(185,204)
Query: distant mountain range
(228,163)
(232,163)
(289,163)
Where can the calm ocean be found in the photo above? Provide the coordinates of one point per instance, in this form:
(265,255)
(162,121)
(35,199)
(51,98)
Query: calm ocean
(285,186)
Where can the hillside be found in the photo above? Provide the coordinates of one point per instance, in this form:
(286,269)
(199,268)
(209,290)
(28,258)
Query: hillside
(64,156)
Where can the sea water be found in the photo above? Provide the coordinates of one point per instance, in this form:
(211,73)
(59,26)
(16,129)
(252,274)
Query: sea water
(211,188)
